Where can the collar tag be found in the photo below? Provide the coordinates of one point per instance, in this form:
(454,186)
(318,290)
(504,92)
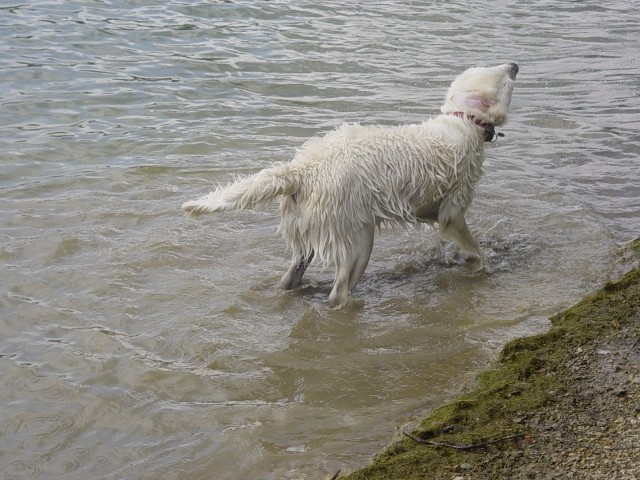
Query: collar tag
(490,134)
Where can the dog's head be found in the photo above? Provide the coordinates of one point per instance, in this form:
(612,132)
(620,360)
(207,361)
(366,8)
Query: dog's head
(484,92)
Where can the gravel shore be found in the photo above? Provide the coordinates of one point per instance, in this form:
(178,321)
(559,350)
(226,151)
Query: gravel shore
(592,431)
(563,405)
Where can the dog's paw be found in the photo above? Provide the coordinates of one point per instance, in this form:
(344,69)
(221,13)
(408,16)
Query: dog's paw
(480,265)
(349,304)
(476,265)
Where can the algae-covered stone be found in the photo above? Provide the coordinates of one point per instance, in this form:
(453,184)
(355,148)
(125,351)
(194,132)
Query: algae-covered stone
(541,401)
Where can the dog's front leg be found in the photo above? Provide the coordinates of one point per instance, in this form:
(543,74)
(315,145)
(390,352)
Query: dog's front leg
(454,227)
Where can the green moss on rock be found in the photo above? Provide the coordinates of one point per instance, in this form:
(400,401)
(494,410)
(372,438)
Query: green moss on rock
(522,380)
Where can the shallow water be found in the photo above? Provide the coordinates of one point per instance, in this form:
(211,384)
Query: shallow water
(135,343)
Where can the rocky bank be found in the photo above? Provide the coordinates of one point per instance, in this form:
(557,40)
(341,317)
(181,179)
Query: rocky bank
(563,405)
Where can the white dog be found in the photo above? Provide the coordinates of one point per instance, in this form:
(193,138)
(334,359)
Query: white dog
(341,185)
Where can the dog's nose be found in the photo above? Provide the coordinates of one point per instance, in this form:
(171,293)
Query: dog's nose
(514,70)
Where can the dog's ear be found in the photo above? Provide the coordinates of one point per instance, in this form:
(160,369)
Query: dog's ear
(473,100)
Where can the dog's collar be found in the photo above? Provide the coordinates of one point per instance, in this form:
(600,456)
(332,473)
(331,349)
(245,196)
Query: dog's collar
(490,134)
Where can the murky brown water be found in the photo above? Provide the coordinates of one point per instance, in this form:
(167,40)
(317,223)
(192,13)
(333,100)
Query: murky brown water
(135,343)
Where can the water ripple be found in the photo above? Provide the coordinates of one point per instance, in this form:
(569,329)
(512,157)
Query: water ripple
(133,338)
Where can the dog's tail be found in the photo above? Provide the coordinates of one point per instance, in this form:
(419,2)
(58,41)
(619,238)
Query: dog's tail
(248,192)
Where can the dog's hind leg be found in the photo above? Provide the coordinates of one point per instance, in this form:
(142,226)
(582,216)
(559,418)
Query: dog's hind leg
(350,270)
(455,228)
(365,246)
(293,277)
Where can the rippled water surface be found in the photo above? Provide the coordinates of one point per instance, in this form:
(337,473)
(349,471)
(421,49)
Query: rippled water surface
(136,343)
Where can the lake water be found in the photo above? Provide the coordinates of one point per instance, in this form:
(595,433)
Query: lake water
(136,343)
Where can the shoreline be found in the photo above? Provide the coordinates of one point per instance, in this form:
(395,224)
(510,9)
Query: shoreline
(563,404)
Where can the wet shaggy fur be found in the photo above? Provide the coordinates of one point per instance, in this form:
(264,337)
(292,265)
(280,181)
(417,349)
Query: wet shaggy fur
(340,186)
